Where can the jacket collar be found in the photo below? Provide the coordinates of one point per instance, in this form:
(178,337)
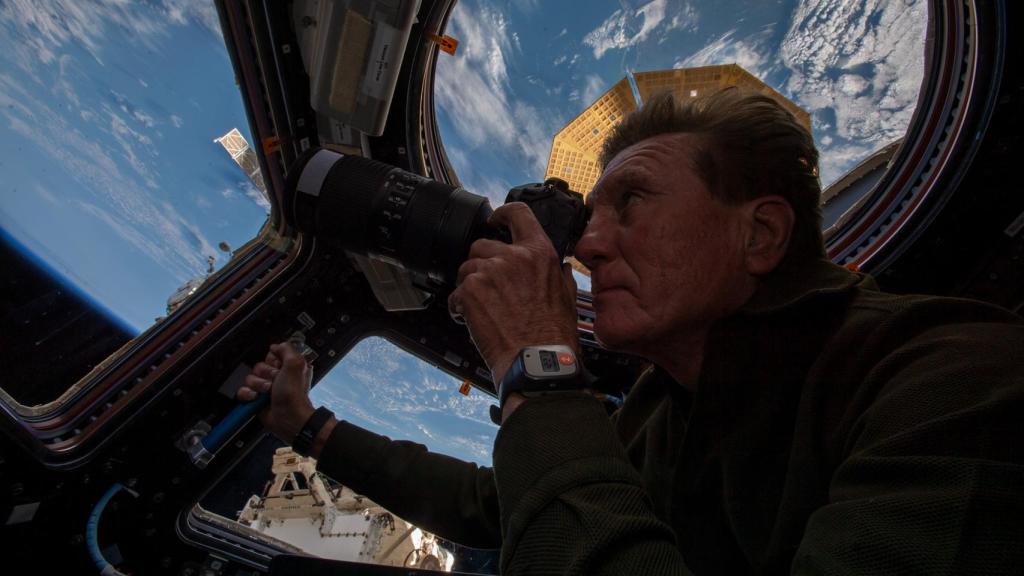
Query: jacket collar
(781,290)
(786,287)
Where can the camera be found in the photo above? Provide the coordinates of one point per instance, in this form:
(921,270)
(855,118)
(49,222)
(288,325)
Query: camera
(423,226)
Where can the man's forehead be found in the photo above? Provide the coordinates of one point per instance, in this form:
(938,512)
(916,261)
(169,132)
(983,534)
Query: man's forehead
(611,181)
(629,165)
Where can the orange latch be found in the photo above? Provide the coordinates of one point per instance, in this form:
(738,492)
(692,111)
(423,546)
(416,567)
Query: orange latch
(465,388)
(271,144)
(447,43)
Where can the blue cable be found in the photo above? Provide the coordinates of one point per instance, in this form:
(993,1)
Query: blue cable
(231,423)
(92,529)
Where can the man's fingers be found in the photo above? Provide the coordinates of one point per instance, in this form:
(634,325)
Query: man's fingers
(272,359)
(486,248)
(568,278)
(483,265)
(293,363)
(259,385)
(455,308)
(246,394)
(519,219)
(265,371)
(288,356)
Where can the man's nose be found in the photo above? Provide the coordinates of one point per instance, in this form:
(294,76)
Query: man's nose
(592,248)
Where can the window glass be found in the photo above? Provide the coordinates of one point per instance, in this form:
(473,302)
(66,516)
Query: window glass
(384,389)
(113,179)
(528,70)
(275,495)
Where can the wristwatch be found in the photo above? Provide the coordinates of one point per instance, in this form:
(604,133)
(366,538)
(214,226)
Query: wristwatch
(303,441)
(540,370)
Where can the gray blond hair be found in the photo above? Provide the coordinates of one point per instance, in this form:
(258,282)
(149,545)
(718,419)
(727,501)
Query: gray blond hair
(748,146)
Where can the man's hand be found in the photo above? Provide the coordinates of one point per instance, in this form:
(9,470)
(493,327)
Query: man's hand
(515,295)
(286,376)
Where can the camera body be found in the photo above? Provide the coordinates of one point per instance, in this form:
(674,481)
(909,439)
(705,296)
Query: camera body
(560,211)
(385,214)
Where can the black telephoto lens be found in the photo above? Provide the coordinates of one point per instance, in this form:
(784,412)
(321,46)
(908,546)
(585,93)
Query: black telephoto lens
(382,211)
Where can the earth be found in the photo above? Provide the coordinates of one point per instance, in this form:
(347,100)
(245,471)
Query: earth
(108,111)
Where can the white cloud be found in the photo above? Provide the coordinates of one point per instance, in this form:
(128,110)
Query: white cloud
(593,88)
(177,121)
(45,193)
(254,194)
(63,86)
(685,19)
(480,447)
(862,64)
(131,110)
(852,84)
(628,27)
(202,12)
(749,53)
(133,143)
(527,6)
(43,28)
(569,60)
(128,206)
(249,191)
(474,87)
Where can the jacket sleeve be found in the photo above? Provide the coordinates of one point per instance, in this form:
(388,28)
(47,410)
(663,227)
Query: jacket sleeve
(571,503)
(933,477)
(453,499)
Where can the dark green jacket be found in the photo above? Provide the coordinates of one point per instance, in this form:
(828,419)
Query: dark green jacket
(836,430)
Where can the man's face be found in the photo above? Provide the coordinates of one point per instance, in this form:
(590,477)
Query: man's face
(666,257)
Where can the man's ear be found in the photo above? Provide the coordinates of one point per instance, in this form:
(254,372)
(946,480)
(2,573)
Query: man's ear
(769,227)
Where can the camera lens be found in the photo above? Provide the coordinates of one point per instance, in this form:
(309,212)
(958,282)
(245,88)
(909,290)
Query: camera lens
(385,212)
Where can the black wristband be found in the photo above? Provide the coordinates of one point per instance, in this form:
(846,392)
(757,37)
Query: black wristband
(303,441)
(539,370)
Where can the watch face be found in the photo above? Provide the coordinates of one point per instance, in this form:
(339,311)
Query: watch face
(544,362)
